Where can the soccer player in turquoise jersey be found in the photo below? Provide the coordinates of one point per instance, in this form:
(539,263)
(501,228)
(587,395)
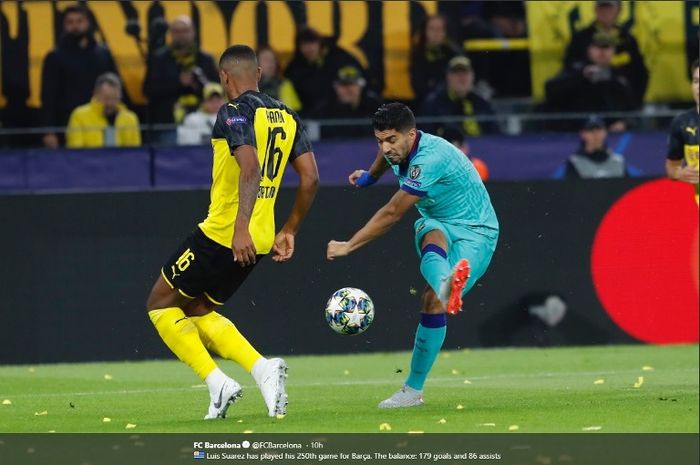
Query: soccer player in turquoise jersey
(456,234)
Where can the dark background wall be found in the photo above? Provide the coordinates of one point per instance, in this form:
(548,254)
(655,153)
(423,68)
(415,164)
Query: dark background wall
(76,270)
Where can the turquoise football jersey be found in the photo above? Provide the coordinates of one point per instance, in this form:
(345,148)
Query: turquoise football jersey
(448,185)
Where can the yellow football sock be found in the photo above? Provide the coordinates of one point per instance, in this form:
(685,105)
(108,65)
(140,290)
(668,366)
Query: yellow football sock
(181,336)
(221,336)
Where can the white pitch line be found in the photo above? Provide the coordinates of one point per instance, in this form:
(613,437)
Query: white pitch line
(455,378)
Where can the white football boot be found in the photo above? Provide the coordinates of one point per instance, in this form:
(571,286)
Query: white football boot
(271,377)
(229,393)
(404,397)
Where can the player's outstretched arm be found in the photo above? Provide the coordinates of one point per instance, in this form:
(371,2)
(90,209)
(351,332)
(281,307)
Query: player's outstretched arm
(248,185)
(676,171)
(305,166)
(379,224)
(362,178)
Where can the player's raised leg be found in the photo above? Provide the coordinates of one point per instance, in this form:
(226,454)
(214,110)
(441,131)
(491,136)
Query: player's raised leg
(165,306)
(221,336)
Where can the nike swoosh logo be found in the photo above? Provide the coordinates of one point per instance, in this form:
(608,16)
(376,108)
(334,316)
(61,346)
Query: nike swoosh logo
(217,404)
(183,318)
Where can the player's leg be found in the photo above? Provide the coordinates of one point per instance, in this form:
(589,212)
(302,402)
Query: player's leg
(432,328)
(173,292)
(221,336)
(445,278)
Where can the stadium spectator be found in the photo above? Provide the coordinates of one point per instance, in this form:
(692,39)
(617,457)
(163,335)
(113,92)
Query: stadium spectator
(455,136)
(592,86)
(627,60)
(175,76)
(432,50)
(70,70)
(351,100)
(457,98)
(271,81)
(683,155)
(197,126)
(104,121)
(593,158)
(314,67)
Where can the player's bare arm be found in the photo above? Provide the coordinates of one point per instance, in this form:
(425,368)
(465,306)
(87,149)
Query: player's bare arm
(305,166)
(679,172)
(249,182)
(378,168)
(378,225)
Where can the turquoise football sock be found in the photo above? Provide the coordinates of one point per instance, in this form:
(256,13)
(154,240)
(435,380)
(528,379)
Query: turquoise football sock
(434,266)
(429,338)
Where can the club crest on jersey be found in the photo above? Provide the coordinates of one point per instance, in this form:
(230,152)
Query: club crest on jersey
(230,121)
(415,172)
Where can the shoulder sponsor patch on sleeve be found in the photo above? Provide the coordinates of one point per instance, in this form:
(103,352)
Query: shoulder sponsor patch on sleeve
(231,120)
(414,172)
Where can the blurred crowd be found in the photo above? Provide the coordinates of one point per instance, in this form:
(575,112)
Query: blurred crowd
(603,71)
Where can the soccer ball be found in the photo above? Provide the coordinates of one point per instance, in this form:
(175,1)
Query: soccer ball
(349,311)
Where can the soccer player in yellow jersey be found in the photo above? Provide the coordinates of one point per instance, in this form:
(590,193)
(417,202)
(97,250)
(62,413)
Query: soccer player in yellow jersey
(253,139)
(684,142)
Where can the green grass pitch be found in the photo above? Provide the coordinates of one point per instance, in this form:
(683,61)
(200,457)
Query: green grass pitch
(607,389)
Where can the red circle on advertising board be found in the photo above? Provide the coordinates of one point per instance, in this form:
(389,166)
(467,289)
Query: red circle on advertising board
(644,263)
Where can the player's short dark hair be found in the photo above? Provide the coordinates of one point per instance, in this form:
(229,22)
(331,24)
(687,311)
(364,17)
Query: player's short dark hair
(238,53)
(393,116)
(696,64)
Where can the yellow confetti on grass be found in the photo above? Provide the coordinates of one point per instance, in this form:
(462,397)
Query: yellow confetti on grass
(442,421)
(416,432)
(592,428)
(108,377)
(487,424)
(647,368)
(346,372)
(106,420)
(240,421)
(460,407)
(31,369)
(385,427)
(42,413)
(640,381)
(7,402)
(466,381)
(130,426)
(247,431)
(513,428)
(455,372)
(599,381)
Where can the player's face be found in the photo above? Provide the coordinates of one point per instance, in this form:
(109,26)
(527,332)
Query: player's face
(696,83)
(395,145)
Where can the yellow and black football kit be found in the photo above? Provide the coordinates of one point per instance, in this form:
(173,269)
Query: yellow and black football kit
(684,140)
(203,264)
